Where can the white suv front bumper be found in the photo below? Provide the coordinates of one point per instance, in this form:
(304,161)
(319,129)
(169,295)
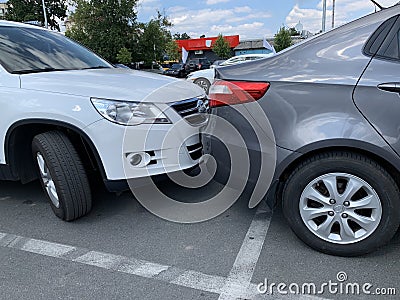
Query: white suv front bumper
(166,147)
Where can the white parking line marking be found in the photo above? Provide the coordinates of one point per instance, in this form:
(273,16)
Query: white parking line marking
(239,278)
(230,288)
(186,278)
(99,259)
(199,281)
(46,248)
(149,270)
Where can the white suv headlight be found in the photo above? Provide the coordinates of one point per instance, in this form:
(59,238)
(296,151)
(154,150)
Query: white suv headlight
(130,113)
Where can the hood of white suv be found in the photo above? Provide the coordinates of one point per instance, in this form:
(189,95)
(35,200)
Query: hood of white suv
(117,84)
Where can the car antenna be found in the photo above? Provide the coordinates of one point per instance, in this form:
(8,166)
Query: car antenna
(377,4)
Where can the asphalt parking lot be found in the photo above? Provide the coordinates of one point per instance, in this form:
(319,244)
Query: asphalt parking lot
(121,251)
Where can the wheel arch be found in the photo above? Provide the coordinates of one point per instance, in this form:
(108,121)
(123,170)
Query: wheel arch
(204,78)
(19,136)
(389,160)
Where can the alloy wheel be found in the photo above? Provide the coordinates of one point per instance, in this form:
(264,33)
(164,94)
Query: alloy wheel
(48,181)
(340,208)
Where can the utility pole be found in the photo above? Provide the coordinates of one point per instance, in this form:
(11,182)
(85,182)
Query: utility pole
(46,24)
(324,16)
(333,14)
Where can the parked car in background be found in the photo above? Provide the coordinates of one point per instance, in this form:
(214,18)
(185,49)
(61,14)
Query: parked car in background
(204,78)
(217,63)
(196,64)
(152,68)
(333,104)
(121,66)
(176,70)
(67,112)
(168,64)
(244,58)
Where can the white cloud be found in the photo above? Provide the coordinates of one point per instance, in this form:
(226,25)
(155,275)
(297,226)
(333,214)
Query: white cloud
(177,9)
(242,29)
(200,17)
(345,11)
(309,17)
(242,9)
(212,2)
(237,20)
(357,5)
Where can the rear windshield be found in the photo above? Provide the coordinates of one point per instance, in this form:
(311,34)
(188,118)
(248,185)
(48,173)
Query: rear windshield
(30,50)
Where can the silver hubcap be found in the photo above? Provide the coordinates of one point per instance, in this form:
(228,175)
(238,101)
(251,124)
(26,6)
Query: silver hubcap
(48,182)
(203,84)
(340,208)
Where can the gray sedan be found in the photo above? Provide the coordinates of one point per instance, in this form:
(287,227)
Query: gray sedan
(329,108)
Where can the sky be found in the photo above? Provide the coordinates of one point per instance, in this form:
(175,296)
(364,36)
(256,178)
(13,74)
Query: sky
(252,19)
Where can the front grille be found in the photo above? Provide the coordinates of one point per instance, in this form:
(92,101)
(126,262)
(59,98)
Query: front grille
(186,107)
(195,151)
(193,110)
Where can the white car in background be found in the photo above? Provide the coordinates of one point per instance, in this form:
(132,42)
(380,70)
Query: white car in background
(67,115)
(204,78)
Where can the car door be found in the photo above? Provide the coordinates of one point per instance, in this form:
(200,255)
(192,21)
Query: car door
(377,95)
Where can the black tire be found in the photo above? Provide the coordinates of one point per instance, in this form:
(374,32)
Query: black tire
(204,83)
(347,163)
(67,173)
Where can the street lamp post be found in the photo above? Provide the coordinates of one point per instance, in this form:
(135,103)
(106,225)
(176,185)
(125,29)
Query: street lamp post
(45,15)
(333,14)
(324,16)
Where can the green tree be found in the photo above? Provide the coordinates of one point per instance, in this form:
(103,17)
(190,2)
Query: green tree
(32,10)
(183,36)
(222,48)
(124,56)
(154,39)
(282,39)
(105,26)
(172,50)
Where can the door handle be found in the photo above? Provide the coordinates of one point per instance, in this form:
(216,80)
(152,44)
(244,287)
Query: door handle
(393,87)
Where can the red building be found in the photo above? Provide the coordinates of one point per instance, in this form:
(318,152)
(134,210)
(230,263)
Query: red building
(199,48)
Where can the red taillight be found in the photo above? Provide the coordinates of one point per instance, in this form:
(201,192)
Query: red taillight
(236,92)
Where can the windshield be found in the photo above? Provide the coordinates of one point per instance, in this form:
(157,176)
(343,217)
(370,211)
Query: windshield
(176,66)
(30,50)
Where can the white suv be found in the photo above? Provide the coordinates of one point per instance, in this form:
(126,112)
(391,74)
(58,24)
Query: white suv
(67,113)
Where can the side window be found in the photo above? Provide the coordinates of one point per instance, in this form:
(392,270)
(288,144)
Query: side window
(391,51)
(378,37)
